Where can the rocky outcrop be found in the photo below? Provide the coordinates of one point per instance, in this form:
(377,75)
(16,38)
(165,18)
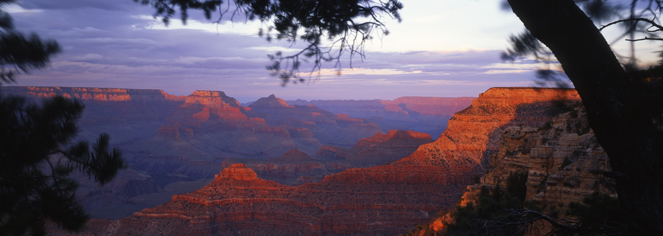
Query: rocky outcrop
(423,114)
(473,134)
(562,159)
(210,125)
(237,202)
(270,102)
(324,126)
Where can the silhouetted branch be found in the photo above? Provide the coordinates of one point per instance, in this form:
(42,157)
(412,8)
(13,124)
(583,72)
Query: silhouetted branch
(654,24)
(642,39)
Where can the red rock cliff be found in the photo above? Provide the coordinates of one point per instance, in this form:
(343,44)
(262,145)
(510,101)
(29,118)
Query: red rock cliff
(293,168)
(237,202)
(563,161)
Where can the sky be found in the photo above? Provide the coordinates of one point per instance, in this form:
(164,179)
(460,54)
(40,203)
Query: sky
(445,48)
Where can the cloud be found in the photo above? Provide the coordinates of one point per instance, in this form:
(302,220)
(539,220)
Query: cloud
(117,43)
(114,5)
(18,9)
(505,71)
(87,57)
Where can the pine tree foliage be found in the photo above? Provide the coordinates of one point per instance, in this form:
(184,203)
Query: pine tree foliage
(35,165)
(20,53)
(36,150)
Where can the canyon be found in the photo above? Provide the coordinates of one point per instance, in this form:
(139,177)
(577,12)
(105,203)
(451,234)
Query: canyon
(380,200)
(175,144)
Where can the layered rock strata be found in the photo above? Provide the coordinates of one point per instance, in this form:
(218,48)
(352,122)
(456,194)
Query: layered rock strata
(563,161)
(237,202)
(293,168)
(473,134)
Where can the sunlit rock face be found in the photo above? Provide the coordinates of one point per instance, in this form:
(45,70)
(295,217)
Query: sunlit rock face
(563,161)
(473,134)
(381,200)
(423,114)
(237,202)
(237,172)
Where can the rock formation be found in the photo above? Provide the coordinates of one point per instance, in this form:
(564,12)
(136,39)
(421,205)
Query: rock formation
(338,130)
(237,202)
(473,134)
(423,114)
(210,125)
(563,161)
(293,168)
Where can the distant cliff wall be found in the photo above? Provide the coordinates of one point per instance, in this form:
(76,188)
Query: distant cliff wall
(423,114)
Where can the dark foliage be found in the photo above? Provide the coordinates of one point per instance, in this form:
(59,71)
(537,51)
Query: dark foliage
(507,214)
(492,206)
(35,186)
(599,214)
(19,53)
(34,166)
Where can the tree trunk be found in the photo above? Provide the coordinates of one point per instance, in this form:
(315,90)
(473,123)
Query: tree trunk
(619,114)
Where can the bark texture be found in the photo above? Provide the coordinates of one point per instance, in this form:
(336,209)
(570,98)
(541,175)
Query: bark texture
(622,113)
